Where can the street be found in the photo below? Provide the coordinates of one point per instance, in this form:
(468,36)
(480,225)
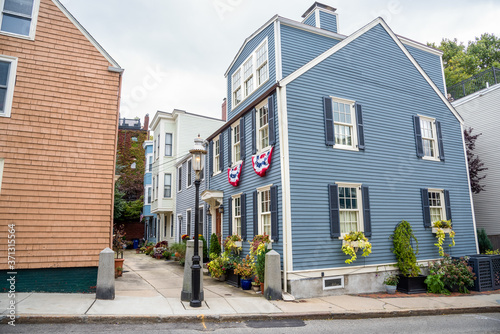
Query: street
(463,323)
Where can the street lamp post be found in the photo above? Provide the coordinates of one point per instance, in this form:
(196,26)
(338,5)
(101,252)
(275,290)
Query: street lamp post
(197,162)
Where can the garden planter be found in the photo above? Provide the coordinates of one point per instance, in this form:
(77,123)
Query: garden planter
(262,287)
(390,289)
(246,284)
(118,263)
(445,230)
(256,288)
(411,285)
(232,278)
(238,244)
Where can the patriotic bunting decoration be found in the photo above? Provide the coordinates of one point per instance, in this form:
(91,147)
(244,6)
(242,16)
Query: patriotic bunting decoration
(261,162)
(233,174)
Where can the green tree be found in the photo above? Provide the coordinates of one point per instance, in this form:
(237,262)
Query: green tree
(461,62)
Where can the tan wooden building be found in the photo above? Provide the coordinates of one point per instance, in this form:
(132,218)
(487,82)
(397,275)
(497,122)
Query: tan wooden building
(59,109)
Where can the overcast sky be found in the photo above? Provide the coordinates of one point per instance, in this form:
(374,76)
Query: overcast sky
(175,52)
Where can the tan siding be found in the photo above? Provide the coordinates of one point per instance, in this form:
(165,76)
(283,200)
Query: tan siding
(59,147)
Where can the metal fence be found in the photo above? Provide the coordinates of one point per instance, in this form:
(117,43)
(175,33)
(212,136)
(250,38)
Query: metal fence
(473,84)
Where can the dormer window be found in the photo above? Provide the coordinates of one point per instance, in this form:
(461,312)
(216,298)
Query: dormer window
(262,68)
(248,75)
(237,87)
(18,17)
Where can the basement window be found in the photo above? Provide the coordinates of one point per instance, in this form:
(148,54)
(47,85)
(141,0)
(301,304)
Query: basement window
(330,283)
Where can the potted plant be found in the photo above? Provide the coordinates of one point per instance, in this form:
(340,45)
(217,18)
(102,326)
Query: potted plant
(217,268)
(118,272)
(258,250)
(410,280)
(244,269)
(354,241)
(214,245)
(118,245)
(440,228)
(391,281)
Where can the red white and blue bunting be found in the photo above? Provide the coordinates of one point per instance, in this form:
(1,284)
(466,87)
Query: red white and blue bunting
(233,174)
(261,162)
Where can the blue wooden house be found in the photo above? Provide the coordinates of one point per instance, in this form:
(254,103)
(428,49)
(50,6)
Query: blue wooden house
(362,137)
(150,231)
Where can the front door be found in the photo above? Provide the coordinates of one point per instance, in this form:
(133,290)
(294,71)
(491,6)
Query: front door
(218,226)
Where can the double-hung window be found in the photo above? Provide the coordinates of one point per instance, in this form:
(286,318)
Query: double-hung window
(167,187)
(428,138)
(436,205)
(237,215)
(179,178)
(236,142)
(19,17)
(262,66)
(154,178)
(200,220)
(349,208)
(263,127)
(8,66)
(265,211)
(148,190)
(189,174)
(168,144)
(344,123)
(428,128)
(158,147)
(237,96)
(150,163)
(188,222)
(248,76)
(216,164)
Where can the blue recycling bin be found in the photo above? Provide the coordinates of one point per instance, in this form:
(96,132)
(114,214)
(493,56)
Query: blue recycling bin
(136,243)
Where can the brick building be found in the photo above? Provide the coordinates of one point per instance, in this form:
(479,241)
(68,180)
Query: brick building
(59,101)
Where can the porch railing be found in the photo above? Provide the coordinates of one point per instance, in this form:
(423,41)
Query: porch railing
(480,81)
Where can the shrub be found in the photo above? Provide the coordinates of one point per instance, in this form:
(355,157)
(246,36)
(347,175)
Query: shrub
(179,248)
(483,241)
(214,245)
(205,248)
(391,280)
(402,248)
(454,274)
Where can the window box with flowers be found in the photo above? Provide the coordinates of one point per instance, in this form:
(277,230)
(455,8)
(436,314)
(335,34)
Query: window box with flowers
(352,242)
(441,228)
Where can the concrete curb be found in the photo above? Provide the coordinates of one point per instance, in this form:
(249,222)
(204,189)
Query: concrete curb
(126,319)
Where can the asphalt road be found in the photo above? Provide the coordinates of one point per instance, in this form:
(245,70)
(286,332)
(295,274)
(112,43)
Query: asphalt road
(466,323)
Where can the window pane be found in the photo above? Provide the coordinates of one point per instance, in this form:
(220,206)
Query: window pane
(16,24)
(3,93)
(4,73)
(19,6)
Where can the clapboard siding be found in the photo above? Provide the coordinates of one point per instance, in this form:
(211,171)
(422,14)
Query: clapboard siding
(311,20)
(480,113)
(298,47)
(390,90)
(250,181)
(328,21)
(58,146)
(431,64)
(247,50)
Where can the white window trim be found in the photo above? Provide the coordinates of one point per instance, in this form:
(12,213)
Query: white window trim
(233,213)
(254,70)
(158,147)
(189,221)
(359,195)
(215,158)
(171,144)
(153,191)
(201,216)
(235,88)
(157,186)
(2,163)
(146,190)
(333,287)
(179,179)
(11,83)
(189,178)
(172,219)
(233,144)
(34,20)
(259,208)
(149,155)
(164,178)
(354,124)
(443,204)
(257,127)
(435,139)
(178,224)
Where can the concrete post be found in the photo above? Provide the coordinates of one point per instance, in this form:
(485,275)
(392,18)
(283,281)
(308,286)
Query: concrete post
(106,275)
(272,276)
(187,288)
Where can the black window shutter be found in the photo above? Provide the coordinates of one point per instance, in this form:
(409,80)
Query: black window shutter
(255,213)
(242,138)
(447,204)
(229,147)
(425,207)
(361,127)
(333,198)
(366,211)
(243,216)
(418,136)
(272,130)
(221,151)
(254,131)
(440,140)
(274,214)
(230,215)
(210,158)
(329,129)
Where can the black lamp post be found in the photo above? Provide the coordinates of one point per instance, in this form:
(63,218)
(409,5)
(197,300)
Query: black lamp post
(197,162)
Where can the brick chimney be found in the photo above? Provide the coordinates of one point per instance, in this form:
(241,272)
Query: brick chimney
(146,122)
(224,110)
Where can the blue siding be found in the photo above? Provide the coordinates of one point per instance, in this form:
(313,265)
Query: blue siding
(247,50)
(298,47)
(250,181)
(149,149)
(146,210)
(328,21)
(311,20)
(148,179)
(390,90)
(430,63)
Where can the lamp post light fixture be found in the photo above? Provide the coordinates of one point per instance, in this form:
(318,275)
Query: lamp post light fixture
(197,162)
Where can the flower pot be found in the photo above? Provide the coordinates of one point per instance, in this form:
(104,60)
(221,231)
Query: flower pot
(390,289)
(411,285)
(238,243)
(221,278)
(262,287)
(118,263)
(256,288)
(246,284)
(232,278)
(445,230)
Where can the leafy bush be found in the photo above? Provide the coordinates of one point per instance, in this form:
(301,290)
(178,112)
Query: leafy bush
(402,248)
(391,280)
(205,247)
(454,274)
(214,245)
(484,241)
(179,248)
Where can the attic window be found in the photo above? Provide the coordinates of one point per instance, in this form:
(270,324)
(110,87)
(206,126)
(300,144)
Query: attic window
(19,17)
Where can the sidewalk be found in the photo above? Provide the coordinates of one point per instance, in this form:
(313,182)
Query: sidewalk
(150,290)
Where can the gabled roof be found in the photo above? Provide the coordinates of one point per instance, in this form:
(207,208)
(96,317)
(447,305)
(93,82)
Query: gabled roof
(87,34)
(319,5)
(354,36)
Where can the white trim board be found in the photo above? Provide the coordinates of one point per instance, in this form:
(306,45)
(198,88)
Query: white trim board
(354,36)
